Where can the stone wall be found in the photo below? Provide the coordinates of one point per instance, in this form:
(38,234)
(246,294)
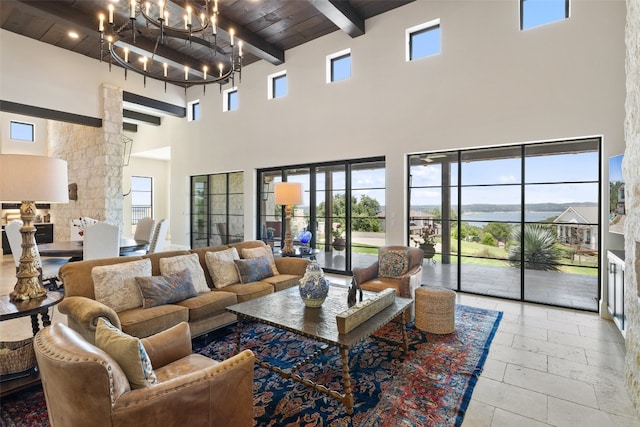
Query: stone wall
(632,185)
(94,158)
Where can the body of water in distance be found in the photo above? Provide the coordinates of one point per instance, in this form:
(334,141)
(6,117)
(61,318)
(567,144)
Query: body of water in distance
(481,219)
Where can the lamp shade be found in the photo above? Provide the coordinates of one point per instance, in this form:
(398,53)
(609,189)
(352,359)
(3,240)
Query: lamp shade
(33,178)
(288,193)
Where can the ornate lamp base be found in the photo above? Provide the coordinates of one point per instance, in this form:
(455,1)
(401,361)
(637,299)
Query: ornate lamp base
(29,285)
(288,248)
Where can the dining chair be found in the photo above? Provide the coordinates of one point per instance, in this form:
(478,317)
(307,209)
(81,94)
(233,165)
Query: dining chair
(48,266)
(101,240)
(159,236)
(144,229)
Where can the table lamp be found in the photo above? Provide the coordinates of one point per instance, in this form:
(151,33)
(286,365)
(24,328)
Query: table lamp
(288,194)
(28,179)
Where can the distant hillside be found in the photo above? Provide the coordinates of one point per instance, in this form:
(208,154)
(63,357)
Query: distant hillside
(535,207)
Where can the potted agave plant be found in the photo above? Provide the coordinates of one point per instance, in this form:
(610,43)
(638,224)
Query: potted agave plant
(427,242)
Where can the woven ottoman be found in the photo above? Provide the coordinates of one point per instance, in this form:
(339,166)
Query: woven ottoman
(435,310)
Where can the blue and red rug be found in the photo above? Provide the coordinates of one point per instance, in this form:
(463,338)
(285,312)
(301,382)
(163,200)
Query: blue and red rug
(430,385)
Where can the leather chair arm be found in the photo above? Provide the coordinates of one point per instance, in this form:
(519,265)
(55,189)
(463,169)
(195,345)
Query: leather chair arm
(410,281)
(363,275)
(169,345)
(86,312)
(292,265)
(226,388)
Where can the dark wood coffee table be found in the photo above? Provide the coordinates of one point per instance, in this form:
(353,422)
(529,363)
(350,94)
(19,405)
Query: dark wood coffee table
(285,310)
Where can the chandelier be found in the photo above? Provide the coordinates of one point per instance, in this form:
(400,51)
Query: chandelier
(195,31)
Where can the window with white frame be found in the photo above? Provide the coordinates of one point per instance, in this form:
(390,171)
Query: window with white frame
(423,40)
(339,66)
(534,13)
(230,99)
(21,131)
(193,112)
(277,85)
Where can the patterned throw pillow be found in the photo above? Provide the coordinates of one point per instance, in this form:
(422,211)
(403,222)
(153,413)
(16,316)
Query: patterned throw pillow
(189,262)
(115,285)
(253,269)
(222,268)
(393,262)
(249,253)
(159,290)
(128,352)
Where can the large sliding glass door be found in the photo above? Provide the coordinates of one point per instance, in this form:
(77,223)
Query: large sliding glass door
(343,208)
(519,222)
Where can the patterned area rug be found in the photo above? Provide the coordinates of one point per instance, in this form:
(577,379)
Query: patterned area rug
(430,385)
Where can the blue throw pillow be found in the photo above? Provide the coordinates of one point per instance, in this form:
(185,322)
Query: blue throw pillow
(159,290)
(253,269)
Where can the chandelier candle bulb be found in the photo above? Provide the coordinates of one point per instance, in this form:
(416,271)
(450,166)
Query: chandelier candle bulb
(213,25)
(101,25)
(186,73)
(231,33)
(204,69)
(220,67)
(133,9)
(165,66)
(147,7)
(110,14)
(186,23)
(240,48)
(126,54)
(188,15)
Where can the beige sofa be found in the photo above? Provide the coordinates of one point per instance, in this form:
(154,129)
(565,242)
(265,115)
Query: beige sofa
(204,312)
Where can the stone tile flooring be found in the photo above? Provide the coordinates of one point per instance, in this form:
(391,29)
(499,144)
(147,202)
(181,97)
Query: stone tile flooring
(546,367)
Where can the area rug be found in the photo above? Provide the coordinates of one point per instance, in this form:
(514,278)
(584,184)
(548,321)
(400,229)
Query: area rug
(430,385)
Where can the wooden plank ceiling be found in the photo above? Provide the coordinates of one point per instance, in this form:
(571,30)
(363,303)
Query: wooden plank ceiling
(267,27)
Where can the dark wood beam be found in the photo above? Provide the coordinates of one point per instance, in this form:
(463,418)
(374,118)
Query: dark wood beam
(130,127)
(46,113)
(253,43)
(141,117)
(341,14)
(174,110)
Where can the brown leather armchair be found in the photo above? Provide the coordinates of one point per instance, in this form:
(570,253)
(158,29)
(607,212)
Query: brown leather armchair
(84,386)
(405,285)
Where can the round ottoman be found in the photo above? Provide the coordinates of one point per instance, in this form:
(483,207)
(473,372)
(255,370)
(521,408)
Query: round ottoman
(435,310)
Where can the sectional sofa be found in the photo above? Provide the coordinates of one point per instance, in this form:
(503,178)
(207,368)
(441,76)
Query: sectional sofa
(107,288)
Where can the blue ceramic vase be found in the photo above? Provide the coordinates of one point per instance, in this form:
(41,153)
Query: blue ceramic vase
(314,287)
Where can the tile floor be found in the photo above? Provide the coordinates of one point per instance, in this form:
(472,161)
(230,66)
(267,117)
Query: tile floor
(546,367)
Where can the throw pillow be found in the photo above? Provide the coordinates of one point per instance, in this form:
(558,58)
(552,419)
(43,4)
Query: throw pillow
(115,285)
(222,268)
(393,262)
(253,269)
(189,262)
(258,252)
(159,290)
(128,352)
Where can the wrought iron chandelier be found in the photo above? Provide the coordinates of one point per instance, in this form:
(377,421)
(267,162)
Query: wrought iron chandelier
(198,26)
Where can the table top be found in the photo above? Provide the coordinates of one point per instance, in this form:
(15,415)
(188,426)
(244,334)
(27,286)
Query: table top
(13,309)
(285,310)
(73,248)
(300,253)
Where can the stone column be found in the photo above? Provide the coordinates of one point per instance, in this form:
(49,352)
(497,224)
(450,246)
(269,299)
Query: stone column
(94,158)
(632,187)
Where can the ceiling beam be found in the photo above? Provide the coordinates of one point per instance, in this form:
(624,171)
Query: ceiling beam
(141,117)
(253,43)
(342,14)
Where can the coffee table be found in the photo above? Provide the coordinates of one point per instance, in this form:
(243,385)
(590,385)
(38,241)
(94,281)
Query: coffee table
(285,310)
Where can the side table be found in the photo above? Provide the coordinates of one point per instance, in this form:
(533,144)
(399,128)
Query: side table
(33,307)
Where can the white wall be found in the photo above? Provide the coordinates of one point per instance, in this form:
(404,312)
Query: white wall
(42,75)
(157,169)
(11,146)
(491,85)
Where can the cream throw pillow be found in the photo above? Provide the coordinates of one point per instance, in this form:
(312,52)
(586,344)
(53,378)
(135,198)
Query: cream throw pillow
(115,285)
(128,352)
(249,253)
(222,268)
(186,262)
